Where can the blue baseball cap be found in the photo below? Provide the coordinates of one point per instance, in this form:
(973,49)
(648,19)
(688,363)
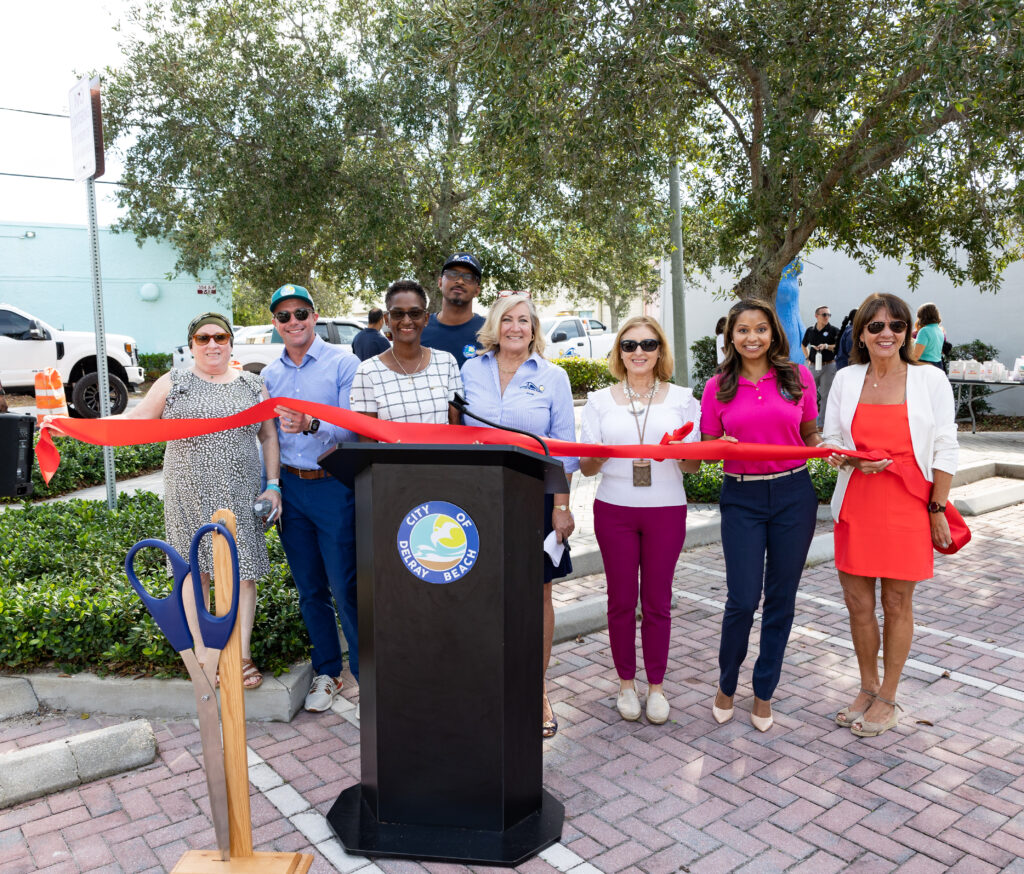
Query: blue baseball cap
(464,259)
(286,292)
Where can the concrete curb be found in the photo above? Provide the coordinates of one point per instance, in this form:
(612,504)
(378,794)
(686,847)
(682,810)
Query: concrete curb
(16,697)
(277,700)
(39,770)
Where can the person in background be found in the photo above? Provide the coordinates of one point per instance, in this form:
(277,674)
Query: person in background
(819,345)
(409,382)
(205,473)
(769,508)
(512,384)
(640,509)
(720,340)
(927,346)
(454,329)
(885,401)
(845,341)
(318,512)
(369,341)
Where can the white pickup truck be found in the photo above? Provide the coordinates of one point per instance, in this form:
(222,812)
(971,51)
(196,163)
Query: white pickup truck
(258,346)
(566,336)
(28,345)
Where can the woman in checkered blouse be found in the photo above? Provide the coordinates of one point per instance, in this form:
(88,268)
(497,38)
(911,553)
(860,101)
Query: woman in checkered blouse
(408,382)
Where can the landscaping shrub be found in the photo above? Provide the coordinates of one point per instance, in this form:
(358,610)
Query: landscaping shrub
(81,465)
(155,364)
(586,374)
(705,360)
(65,600)
(705,486)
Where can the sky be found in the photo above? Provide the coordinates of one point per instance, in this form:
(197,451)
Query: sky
(45,47)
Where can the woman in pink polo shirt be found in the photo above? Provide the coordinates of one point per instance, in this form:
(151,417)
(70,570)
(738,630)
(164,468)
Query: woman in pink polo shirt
(768,508)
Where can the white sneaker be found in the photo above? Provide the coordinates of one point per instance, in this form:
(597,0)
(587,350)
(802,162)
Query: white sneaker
(657,708)
(322,692)
(628,704)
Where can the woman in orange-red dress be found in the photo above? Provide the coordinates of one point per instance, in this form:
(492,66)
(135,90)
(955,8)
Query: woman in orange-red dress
(884,530)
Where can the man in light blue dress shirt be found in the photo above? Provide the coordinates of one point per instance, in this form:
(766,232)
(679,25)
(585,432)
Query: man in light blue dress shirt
(317,516)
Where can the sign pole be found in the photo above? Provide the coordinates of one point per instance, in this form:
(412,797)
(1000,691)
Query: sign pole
(678,295)
(87,155)
(102,370)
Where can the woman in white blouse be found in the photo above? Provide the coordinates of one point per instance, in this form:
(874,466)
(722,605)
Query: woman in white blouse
(408,382)
(640,510)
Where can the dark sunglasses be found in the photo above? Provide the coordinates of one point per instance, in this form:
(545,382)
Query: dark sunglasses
(897,326)
(647,345)
(203,339)
(397,316)
(285,316)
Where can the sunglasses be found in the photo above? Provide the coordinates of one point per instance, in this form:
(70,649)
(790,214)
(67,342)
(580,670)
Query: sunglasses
(202,339)
(285,316)
(397,316)
(897,326)
(508,292)
(460,274)
(647,345)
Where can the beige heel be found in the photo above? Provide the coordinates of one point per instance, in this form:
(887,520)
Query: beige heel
(874,729)
(846,717)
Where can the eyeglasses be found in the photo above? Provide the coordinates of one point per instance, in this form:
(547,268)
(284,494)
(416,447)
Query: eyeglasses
(825,315)
(460,274)
(648,345)
(508,292)
(220,339)
(397,316)
(285,316)
(897,326)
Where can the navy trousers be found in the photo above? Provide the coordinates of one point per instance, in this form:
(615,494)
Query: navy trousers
(318,535)
(767,527)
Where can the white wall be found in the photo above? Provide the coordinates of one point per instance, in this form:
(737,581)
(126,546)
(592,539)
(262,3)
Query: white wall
(834,280)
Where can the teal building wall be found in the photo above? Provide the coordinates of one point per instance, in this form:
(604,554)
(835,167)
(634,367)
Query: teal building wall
(45,270)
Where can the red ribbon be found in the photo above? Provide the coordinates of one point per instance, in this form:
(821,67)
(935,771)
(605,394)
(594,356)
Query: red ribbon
(130,432)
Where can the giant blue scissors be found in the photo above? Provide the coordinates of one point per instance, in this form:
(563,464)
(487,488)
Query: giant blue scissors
(169,614)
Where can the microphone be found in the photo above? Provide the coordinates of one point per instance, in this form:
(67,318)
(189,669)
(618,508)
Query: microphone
(459,402)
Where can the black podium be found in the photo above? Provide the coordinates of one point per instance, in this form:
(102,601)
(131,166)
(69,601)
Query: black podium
(449,556)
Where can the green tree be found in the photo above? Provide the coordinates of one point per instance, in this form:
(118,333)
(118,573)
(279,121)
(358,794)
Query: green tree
(324,142)
(885,128)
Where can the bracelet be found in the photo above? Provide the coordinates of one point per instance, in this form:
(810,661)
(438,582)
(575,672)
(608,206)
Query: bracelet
(273,482)
(274,486)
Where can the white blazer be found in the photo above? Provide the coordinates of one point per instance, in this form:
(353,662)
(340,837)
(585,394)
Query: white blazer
(929,409)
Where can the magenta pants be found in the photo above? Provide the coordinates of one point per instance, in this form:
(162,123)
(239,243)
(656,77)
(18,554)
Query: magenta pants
(640,547)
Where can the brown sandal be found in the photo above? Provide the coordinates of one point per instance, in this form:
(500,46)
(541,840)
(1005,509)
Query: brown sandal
(251,676)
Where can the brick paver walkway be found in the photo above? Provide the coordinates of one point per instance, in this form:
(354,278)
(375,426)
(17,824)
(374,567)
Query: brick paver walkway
(945,791)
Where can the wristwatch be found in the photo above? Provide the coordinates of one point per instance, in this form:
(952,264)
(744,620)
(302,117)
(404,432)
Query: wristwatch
(314,426)
(936,507)
(561,506)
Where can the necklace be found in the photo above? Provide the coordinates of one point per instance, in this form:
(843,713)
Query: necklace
(418,367)
(636,407)
(883,376)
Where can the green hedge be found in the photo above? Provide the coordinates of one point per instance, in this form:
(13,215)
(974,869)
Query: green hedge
(65,601)
(81,465)
(155,364)
(586,374)
(705,486)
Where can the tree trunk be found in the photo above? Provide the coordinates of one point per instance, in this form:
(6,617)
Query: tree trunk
(757,286)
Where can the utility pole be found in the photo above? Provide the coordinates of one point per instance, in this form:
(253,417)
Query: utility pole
(678,297)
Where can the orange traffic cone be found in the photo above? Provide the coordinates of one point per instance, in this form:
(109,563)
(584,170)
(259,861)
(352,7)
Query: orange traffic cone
(50,400)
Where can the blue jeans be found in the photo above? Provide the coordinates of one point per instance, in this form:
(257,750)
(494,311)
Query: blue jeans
(763,519)
(318,535)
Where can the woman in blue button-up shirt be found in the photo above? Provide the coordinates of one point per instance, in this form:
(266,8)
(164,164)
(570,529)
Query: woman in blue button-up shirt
(510,383)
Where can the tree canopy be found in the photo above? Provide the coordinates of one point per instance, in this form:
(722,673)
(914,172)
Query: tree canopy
(327,142)
(878,127)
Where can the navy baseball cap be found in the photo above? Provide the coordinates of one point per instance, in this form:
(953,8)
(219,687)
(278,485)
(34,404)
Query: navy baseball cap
(464,259)
(286,292)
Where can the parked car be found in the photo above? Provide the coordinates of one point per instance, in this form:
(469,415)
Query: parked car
(29,345)
(566,336)
(260,345)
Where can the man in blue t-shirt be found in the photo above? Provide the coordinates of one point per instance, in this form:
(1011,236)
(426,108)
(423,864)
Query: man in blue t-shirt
(369,341)
(454,329)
